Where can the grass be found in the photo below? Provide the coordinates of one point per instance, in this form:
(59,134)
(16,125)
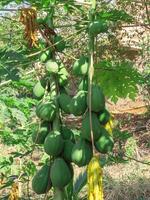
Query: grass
(127,182)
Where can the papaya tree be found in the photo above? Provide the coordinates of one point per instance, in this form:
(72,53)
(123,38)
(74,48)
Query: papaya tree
(61,44)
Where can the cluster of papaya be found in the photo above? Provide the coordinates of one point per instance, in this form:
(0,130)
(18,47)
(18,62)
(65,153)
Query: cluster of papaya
(59,141)
(79,106)
(55,137)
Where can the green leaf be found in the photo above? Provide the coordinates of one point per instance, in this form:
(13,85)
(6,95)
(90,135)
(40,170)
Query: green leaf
(18,115)
(115,15)
(118,79)
(80,182)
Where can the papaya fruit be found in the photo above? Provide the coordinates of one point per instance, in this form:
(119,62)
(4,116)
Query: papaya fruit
(97,99)
(39,89)
(104,117)
(62,80)
(81,66)
(67,151)
(41,182)
(45,56)
(81,153)
(54,143)
(67,133)
(83,85)
(105,143)
(52,66)
(39,136)
(60,173)
(97,27)
(78,104)
(46,110)
(62,75)
(60,44)
(64,102)
(86,130)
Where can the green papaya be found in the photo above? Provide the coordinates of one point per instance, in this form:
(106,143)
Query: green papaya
(97,99)
(86,130)
(39,136)
(64,102)
(46,110)
(39,89)
(67,133)
(60,173)
(60,44)
(52,66)
(104,117)
(78,104)
(67,152)
(62,75)
(62,80)
(97,27)
(81,153)
(41,182)
(83,85)
(81,66)
(54,143)
(62,70)
(45,56)
(105,143)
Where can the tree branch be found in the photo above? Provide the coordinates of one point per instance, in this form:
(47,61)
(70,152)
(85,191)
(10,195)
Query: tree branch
(139,161)
(147,12)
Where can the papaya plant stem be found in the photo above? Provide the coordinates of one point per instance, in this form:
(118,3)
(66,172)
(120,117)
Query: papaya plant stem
(91,70)
(55,90)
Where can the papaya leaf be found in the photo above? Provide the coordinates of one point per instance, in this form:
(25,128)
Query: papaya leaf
(118,79)
(18,115)
(80,182)
(115,15)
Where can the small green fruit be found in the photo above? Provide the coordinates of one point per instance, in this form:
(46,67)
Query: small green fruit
(52,66)
(81,66)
